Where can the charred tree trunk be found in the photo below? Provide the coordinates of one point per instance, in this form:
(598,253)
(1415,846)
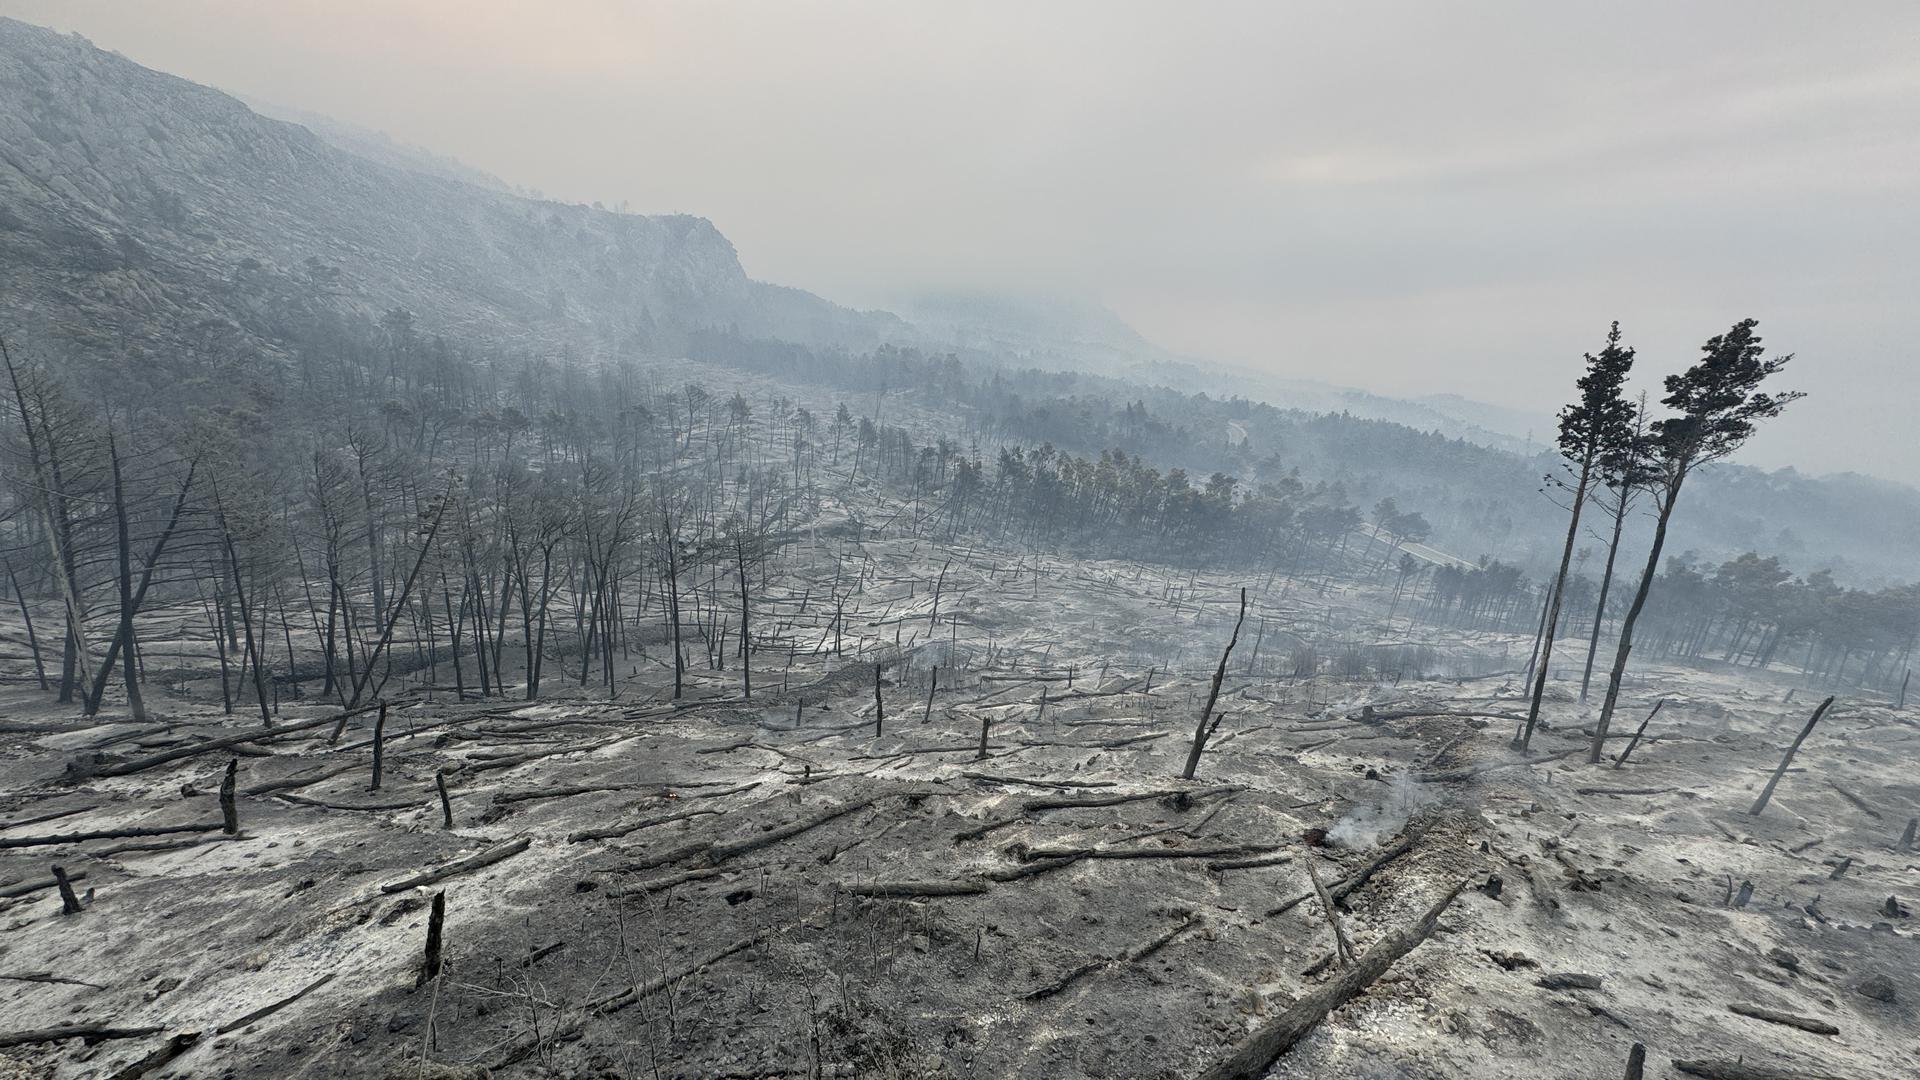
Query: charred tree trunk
(246,615)
(26,616)
(406,590)
(453,636)
(132,598)
(1786,760)
(746,636)
(123,572)
(673,613)
(1207,722)
(51,502)
(1669,497)
(1552,624)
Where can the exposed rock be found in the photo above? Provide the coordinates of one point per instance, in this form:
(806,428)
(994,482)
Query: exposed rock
(1878,987)
(1568,981)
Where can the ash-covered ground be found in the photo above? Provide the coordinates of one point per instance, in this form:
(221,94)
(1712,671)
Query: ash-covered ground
(1003,875)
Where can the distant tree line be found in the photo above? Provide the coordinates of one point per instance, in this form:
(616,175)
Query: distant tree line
(373,499)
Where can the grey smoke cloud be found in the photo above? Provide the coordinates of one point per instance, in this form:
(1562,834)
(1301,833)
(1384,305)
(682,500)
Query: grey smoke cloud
(1406,196)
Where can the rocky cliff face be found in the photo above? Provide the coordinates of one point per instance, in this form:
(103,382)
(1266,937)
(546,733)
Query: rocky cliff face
(139,211)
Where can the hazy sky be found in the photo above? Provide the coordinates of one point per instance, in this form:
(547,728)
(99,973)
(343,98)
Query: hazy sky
(1412,197)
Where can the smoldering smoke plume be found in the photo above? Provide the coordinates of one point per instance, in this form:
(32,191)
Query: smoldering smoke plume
(1369,823)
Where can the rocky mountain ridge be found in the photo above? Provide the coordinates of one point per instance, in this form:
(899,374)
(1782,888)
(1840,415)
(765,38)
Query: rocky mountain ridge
(143,211)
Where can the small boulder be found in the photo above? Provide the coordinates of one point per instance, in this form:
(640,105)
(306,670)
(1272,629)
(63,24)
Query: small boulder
(1511,961)
(401,1023)
(1877,987)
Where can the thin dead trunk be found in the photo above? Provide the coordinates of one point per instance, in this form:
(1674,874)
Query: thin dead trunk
(75,662)
(136,707)
(26,616)
(406,590)
(130,603)
(1203,728)
(1606,586)
(252,657)
(1786,760)
(1552,625)
(746,637)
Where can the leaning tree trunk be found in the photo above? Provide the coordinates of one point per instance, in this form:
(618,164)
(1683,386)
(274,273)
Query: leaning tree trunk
(1625,647)
(1275,1037)
(1533,650)
(1606,585)
(252,657)
(1552,624)
(406,590)
(26,616)
(123,639)
(1202,729)
(52,506)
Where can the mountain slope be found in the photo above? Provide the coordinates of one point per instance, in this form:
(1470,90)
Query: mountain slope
(379,147)
(160,231)
(139,207)
(143,216)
